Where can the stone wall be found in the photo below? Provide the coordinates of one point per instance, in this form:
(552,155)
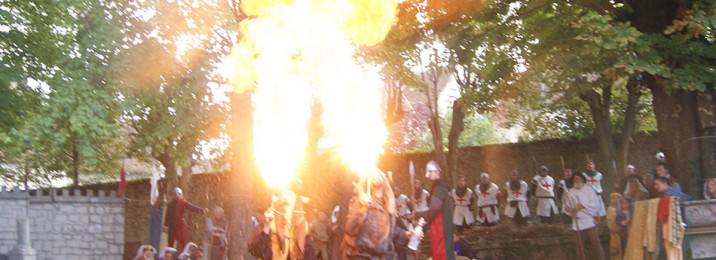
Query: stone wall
(66,224)
(500,159)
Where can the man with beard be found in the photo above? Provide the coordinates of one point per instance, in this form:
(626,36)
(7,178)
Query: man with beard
(543,189)
(438,215)
(583,205)
(421,197)
(517,199)
(462,196)
(594,180)
(487,205)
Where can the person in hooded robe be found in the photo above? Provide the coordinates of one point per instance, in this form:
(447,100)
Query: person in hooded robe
(710,189)
(488,212)
(635,191)
(594,180)
(517,190)
(145,252)
(462,196)
(169,253)
(189,248)
(438,215)
(370,224)
(175,223)
(543,189)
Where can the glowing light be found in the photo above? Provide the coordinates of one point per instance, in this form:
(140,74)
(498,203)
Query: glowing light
(294,53)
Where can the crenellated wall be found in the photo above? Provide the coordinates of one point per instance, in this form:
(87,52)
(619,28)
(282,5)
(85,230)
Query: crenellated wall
(65,224)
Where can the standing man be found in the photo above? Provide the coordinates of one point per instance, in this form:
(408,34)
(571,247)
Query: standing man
(404,208)
(517,199)
(175,221)
(462,196)
(487,205)
(630,173)
(594,179)
(662,170)
(438,215)
(421,197)
(583,205)
(543,189)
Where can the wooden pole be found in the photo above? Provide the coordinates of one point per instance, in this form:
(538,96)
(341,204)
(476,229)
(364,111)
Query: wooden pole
(411,170)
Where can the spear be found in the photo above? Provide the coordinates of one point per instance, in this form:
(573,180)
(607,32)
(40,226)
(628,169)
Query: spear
(411,169)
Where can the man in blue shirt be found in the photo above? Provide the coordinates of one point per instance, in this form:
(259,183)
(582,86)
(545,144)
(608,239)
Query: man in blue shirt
(661,185)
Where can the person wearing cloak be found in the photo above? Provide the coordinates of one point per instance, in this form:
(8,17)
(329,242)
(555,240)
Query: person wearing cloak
(438,215)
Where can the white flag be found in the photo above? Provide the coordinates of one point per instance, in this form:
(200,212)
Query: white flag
(154,181)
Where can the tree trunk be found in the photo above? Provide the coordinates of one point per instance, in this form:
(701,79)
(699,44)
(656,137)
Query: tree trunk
(707,121)
(628,126)
(170,170)
(437,134)
(243,175)
(677,124)
(456,127)
(75,164)
(599,106)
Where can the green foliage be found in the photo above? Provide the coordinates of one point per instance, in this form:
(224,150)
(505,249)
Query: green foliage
(170,109)
(479,131)
(72,128)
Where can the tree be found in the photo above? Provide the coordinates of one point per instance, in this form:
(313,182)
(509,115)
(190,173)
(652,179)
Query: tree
(73,129)
(479,131)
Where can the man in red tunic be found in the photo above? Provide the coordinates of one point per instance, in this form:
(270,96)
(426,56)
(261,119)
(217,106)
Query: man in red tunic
(174,219)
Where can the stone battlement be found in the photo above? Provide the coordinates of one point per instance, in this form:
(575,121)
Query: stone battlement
(61,195)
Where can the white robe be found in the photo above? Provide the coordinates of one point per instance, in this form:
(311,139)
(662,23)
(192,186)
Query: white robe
(588,198)
(544,191)
(520,196)
(462,208)
(487,204)
(402,204)
(596,184)
(422,201)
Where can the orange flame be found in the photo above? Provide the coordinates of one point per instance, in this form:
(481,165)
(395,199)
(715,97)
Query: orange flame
(295,52)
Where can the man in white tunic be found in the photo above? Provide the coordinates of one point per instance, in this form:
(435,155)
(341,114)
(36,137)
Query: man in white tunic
(462,196)
(421,197)
(517,199)
(543,188)
(583,205)
(594,180)
(404,208)
(487,205)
